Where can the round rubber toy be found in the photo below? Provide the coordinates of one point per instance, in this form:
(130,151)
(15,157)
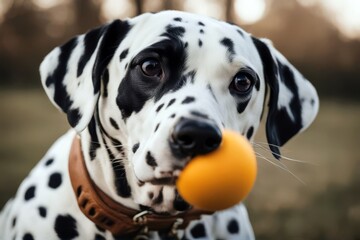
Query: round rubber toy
(222,178)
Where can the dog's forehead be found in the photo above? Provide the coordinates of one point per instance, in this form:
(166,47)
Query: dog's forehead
(212,47)
(199,32)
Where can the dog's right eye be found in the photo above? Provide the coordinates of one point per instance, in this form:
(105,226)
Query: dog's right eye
(152,68)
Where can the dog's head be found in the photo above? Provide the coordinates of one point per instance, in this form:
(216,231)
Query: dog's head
(149,93)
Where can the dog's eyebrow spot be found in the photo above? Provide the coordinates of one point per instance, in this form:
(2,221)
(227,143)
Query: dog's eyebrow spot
(199,114)
(188,99)
(250,132)
(171,102)
(123,54)
(150,160)
(135,147)
(178,19)
(114,124)
(159,107)
(201,24)
(228,43)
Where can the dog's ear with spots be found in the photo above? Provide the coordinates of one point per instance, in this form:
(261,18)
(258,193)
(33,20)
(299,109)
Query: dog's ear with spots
(293,101)
(72,73)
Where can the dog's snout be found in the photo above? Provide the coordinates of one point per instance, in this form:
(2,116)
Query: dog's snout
(192,137)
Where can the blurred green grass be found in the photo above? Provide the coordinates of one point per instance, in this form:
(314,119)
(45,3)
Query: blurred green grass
(325,206)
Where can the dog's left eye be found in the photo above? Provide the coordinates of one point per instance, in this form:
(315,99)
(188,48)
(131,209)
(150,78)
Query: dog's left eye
(151,67)
(242,83)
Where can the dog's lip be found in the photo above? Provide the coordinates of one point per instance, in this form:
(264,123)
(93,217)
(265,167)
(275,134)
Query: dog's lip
(164,181)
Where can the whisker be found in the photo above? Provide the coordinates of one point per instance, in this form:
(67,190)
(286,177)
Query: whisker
(283,167)
(282,156)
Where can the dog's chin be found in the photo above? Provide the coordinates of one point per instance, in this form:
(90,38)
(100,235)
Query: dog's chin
(162,198)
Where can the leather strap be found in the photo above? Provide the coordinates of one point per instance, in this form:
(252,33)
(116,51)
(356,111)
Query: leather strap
(113,216)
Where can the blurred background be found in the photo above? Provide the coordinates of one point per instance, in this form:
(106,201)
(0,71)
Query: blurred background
(315,194)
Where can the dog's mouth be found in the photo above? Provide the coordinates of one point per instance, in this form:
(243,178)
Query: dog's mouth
(170,181)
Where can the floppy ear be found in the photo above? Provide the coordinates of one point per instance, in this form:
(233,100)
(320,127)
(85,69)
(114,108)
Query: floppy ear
(71,74)
(293,101)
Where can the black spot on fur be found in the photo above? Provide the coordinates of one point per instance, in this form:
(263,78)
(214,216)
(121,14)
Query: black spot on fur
(159,107)
(28,236)
(136,88)
(94,143)
(171,102)
(90,42)
(199,114)
(172,115)
(228,43)
(61,96)
(201,24)
(65,227)
(49,162)
(55,180)
(157,126)
(201,31)
(186,44)
(159,199)
(312,102)
(233,226)
(242,106)
(135,147)
(175,31)
(105,79)
(178,19)
(198,231)
(240,32)
(188,100)
(114,124)
(123,54)
(13,223)
(30,193)
(150,195)
(99,237)
(200,43)
(126,65)
(190,76)
(114,34)
(73,116)
(250,132)
(150,160)
(42,211)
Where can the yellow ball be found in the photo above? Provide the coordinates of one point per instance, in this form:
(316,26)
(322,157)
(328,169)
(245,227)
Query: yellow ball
(222,178)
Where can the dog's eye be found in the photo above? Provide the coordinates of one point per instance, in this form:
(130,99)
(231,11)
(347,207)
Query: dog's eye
(151,67)
(242,83)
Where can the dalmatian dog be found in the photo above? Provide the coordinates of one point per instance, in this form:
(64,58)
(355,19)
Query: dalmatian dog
(145,95)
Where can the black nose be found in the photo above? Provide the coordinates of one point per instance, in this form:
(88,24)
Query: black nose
(192,137)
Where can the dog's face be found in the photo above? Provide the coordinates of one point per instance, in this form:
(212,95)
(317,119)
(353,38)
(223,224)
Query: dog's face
(156,90)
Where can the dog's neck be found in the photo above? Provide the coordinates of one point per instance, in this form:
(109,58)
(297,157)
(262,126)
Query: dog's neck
(105,161)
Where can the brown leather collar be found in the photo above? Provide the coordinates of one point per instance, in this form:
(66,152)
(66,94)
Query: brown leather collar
(113,216)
